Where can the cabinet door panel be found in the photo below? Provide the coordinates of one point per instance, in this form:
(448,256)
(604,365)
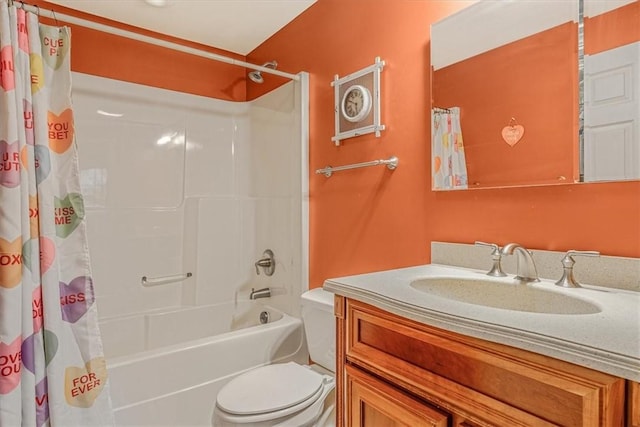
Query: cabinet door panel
(633,399)
(373,403)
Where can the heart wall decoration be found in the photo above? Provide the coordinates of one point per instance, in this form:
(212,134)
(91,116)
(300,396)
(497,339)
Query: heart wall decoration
(512,133)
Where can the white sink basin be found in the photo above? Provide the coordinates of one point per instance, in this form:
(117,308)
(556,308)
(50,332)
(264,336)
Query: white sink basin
(507,296)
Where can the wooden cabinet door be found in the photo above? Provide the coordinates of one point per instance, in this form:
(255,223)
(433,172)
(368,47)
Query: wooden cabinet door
(374,403)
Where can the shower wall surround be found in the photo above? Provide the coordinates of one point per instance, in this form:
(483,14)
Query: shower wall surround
(178,183)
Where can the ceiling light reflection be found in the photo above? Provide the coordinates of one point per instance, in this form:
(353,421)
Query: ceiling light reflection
(174,138)
(156,3)
(108,114)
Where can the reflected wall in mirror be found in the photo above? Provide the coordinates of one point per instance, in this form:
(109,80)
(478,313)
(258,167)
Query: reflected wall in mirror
(511,68)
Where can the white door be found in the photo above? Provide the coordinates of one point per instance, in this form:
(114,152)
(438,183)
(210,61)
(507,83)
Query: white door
(612,114)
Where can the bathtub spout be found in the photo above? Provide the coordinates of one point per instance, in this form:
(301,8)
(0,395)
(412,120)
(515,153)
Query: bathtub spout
(260,293)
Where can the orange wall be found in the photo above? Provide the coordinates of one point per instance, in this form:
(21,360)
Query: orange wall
(612,29)
(533,80)
(105,55)
(373,219)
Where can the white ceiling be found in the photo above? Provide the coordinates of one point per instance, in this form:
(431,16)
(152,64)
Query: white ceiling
(235,25)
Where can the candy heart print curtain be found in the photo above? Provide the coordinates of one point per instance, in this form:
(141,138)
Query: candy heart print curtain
(52,369)
(448,160)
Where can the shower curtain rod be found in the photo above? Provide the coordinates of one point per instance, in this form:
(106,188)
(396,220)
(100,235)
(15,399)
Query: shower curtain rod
(148,39)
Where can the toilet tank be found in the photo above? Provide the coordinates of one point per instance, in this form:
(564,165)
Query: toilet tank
(319,327)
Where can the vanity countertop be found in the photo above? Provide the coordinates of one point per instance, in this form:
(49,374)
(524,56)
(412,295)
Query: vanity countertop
(607,341)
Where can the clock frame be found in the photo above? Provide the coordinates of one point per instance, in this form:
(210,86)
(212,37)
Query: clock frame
(349,124)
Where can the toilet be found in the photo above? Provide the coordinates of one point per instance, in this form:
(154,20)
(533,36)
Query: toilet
(288,394)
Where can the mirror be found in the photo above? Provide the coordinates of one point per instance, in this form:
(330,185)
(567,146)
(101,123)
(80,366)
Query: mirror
(518,101)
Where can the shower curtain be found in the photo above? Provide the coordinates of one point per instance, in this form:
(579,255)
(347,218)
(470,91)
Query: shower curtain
(449,167)
(52,369)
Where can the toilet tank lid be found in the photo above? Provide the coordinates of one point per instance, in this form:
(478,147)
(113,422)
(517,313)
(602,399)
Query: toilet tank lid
(318,298)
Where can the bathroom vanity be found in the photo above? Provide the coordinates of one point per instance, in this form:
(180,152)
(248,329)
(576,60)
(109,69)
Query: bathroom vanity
(412,354)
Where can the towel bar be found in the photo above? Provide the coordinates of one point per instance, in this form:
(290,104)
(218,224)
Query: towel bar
(391,163)
(163,280)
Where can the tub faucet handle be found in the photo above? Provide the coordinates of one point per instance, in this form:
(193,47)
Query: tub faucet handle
(496,257)
(568,280)
(267,262)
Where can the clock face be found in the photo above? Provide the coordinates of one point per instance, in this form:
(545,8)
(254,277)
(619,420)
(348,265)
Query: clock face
(356,103)
(353,102)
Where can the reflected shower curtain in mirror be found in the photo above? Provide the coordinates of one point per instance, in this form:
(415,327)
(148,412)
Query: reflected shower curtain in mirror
(52,369)
(449,168)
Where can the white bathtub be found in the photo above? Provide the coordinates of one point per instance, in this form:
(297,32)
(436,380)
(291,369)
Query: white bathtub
(166,368)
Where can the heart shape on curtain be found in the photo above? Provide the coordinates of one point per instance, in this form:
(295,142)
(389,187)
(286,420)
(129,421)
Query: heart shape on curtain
(46,255)
(10,160)
(76,298)
(83,385)
(28,122)
(37,72)
(512,134)
(8,76)
(11,266)
(11,356)
(42,402)
(34,215)
(37,310)
(28,349)
(60,130)
(55,45)
(43,163)
(69,213)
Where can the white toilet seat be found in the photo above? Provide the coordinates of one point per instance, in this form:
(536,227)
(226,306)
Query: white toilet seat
(272,392)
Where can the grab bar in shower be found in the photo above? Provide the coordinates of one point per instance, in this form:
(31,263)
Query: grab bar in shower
(163,280)
(391,163)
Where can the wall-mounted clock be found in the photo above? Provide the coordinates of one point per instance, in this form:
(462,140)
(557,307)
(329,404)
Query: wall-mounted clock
(357,103)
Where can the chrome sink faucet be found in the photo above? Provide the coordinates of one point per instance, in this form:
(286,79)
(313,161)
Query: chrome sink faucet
(526,266)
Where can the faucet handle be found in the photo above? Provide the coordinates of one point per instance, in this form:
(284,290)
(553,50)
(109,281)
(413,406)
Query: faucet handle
(567,280)
(490,245)
(267,262)
(496,256)
(568,260)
